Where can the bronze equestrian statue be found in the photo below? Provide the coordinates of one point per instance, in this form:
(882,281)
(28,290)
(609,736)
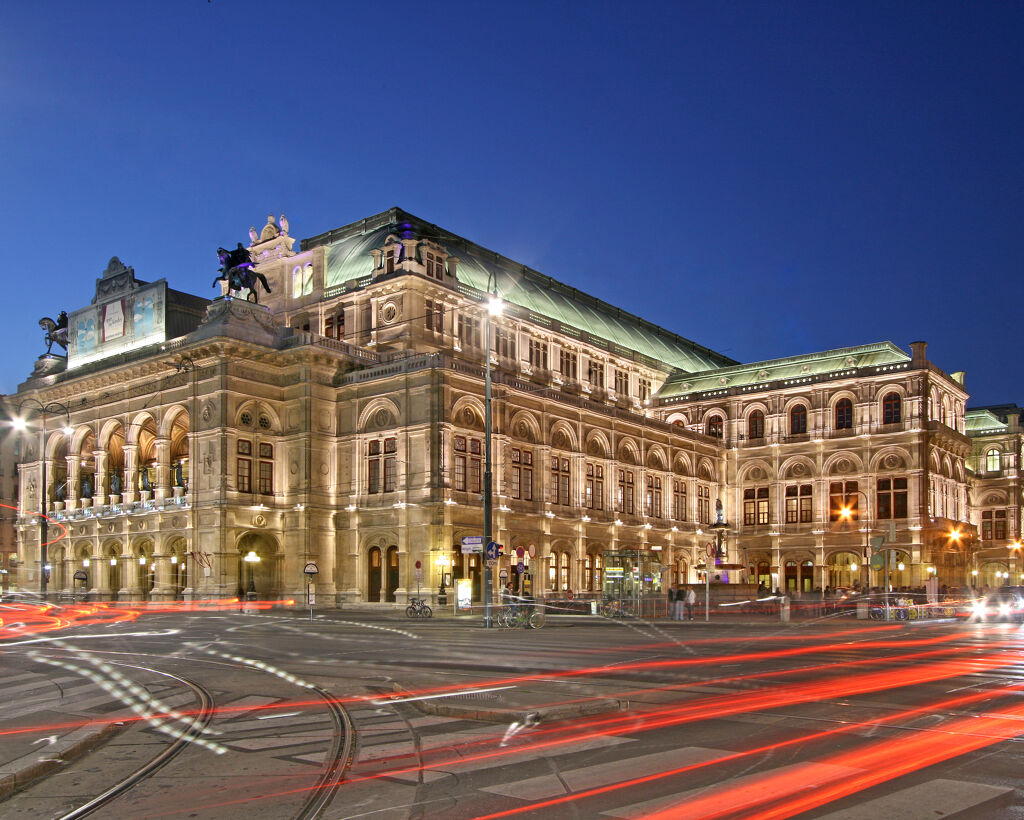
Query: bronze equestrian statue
(238,270)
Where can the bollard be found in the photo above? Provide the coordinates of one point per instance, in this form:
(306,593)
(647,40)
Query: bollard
(784,609)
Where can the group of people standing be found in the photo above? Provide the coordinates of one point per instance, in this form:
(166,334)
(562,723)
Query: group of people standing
(681,603)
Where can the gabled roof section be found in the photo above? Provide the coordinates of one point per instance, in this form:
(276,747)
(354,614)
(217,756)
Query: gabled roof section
(988,420)
(774,373)
(543,298)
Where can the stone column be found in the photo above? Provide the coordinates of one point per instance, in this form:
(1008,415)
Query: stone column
(162,489)
(100,490)
(129,480)
(72,489)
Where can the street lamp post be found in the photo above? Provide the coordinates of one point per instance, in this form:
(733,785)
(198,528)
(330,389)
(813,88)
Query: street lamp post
(20,423)
(251,558)
(494,307)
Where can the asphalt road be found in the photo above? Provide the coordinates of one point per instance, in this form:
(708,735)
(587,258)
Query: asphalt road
(225,714)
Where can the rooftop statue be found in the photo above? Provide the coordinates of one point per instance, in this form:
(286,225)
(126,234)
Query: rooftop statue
(236,268)
(55,331)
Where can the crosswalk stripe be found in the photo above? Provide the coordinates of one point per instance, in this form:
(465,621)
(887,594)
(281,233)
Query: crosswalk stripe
(575,780)
(737,794)
(936,798)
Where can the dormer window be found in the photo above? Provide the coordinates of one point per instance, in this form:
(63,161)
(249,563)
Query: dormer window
(389,259)
(434,265)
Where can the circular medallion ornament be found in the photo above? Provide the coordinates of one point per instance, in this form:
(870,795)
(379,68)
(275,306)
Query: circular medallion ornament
(293,468)
(388,312)
(757,473)
(842,466)
(110,527)
(892,461)
(259,521)
(207,412)
(81,530)
(324,469)
(798,469)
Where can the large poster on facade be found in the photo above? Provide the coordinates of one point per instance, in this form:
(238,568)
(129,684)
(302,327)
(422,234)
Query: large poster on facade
(122,324)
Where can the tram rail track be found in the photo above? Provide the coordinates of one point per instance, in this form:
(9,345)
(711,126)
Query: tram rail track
(194,729)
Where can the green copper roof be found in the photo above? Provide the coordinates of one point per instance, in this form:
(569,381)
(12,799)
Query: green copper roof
(348,258)
(983,420)
(791,369)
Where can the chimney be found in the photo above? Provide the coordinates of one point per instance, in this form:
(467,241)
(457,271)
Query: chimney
(1013,419)
(917,354)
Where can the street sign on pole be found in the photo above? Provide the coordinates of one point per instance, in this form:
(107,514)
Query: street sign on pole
(472,544)
(493,550)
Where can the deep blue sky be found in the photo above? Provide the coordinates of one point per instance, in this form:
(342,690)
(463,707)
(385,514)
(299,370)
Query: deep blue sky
(768,179)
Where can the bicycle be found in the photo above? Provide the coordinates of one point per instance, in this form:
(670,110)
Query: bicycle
(418,608)
(525,617)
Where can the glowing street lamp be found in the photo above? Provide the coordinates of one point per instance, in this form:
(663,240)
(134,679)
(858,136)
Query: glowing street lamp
(251,558)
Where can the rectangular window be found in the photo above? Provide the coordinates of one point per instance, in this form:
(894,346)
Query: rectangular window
(434,316)
(595,374)
(625,492)
(559,480)
(380,461)
(703,504)
(244,466)
(679,500)
(986,525)
(244,475)
(594,493)
(1000,525)
(652,500)
(467,468)
(799,507)
(539,354)
(266,477)
(892,498)
(521,475)
(843,501)
(469,331)
(567,364)
(755,506)
(390,464)
(505,343)
(645,389)
(621,383)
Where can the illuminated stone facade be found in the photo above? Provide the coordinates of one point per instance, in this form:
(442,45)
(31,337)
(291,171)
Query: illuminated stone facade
(342,422)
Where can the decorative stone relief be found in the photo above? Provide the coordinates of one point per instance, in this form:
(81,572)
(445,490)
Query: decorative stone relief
(842,466)
(892,462)
(259,520)
(390,312)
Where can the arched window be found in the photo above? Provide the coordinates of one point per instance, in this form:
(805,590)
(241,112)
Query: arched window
(755,425)
(844,414)
(892,408)
(798,420)
(993,461)
(715,427)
